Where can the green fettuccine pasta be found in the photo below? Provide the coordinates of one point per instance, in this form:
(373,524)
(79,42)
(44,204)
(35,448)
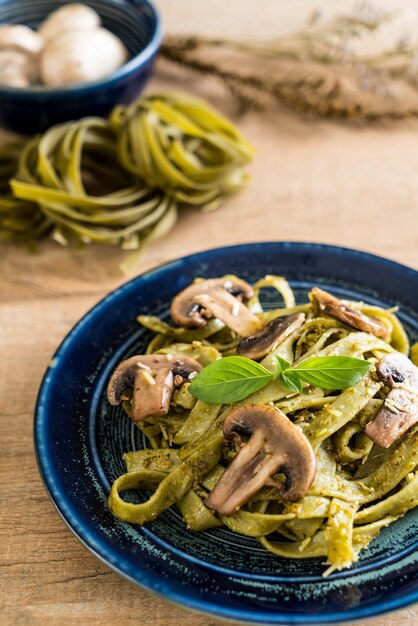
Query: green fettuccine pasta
(120,181)
(358,488)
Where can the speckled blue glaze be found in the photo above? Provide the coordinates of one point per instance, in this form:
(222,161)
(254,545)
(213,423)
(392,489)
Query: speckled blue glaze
(79,441)
(34,109)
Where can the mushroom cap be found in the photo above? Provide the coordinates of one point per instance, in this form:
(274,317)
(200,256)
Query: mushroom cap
(75,16)
(275,444)
(78,56)
(270,336)
(332,306)
(124,375)
(395,368)
(400,410)
(186,312)
(20,37)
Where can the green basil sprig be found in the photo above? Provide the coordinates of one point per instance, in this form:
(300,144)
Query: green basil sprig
(233,378)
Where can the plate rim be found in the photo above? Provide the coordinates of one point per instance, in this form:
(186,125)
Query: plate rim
(153,584)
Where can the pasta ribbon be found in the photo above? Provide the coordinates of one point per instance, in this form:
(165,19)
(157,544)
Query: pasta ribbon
(358,489)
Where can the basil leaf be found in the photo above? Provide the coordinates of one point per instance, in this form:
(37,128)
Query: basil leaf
(234,378)
(229,380)
(290,381)
(332,372)
(282,365)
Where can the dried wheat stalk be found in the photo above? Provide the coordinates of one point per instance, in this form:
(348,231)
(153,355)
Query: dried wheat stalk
(315,71)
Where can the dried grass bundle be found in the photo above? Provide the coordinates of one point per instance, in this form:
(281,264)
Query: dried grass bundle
(332,69)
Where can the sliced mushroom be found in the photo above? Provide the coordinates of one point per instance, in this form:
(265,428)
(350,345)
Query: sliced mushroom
(153,378)
(400,409)
(274,445)
(270,336)
(330,305)
(222,298)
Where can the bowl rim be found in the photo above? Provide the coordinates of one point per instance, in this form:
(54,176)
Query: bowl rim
(140,59)
(151,582)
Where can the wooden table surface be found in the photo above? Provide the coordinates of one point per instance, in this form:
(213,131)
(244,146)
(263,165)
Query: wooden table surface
(311,181)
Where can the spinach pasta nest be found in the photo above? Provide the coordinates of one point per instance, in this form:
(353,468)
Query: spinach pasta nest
(182,145)
(20,220)
(121,181)
(296,426)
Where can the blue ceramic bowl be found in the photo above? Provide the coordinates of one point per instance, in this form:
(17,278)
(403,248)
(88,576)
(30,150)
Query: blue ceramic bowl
(34,109)
(80,439)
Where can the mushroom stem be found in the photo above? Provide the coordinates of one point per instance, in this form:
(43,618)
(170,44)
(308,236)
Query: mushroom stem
(251,467)
(152,393)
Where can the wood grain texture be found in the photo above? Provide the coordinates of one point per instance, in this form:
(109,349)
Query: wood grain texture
(311,180)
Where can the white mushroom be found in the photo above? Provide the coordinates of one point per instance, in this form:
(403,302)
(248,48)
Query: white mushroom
(17,69)
(20,38)
(10,77)
(69,17)
(80,56)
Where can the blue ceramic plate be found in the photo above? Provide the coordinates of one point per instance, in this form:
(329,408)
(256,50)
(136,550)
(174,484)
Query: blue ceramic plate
(80,440)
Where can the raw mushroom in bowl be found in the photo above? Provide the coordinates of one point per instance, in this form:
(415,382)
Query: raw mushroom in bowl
(69,17)
(17,69)
(20,48)
(69,47)
(21,38)
(78,56)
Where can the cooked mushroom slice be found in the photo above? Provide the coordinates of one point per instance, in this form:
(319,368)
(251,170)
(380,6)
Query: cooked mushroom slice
(153,378)
(274,445)
(400,409)
(270,336)
(222,298)
(330,305)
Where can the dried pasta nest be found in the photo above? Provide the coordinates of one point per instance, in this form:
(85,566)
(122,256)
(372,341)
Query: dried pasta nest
(182,145)
(120,181)
(73,174)
(20,221)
